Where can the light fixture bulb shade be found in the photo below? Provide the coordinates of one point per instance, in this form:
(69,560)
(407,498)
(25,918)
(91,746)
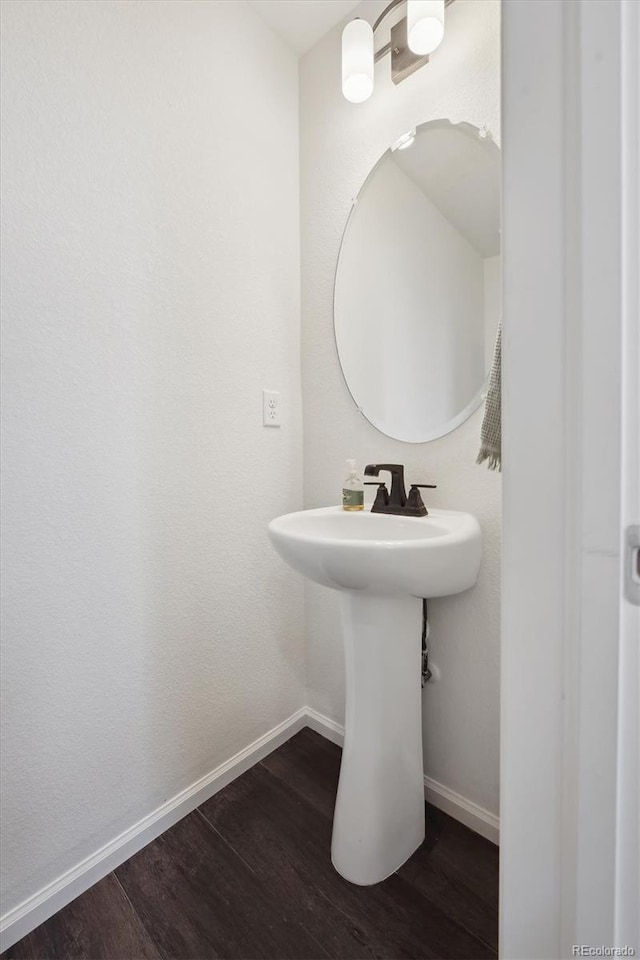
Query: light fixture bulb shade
(357,61)
(425,25)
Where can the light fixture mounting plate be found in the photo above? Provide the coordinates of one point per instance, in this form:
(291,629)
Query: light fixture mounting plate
(403,61)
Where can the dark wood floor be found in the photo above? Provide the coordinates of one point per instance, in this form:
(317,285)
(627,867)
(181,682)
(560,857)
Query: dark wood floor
(248,875)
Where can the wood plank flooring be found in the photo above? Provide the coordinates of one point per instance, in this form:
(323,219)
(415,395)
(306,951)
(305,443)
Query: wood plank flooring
(248,875)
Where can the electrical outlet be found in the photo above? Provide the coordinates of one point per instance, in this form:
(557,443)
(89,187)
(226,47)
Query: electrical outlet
(270,408)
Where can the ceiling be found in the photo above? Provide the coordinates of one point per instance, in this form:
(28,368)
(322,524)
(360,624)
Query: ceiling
(301,23)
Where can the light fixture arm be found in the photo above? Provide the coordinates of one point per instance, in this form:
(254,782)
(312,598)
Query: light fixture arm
(385,13)
(383,51)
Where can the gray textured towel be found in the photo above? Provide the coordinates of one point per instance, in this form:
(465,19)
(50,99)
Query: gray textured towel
(491,430)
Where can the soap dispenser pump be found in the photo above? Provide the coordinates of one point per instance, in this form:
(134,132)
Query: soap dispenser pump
(353,489)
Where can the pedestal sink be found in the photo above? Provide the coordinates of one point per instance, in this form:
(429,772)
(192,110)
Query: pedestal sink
(382,565)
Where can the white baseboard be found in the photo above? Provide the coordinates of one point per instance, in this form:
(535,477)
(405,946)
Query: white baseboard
(327,728)
(18,922)
(465,811)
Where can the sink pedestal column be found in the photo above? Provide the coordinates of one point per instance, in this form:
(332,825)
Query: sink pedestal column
(379,814)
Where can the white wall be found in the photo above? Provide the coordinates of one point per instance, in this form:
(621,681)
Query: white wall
(340,142)
(150,291)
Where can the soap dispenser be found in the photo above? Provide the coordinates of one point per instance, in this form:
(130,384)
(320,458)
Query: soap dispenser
(353,489)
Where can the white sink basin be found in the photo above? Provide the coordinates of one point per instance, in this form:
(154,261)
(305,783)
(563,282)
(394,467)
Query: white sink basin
(430,556)
(381,564)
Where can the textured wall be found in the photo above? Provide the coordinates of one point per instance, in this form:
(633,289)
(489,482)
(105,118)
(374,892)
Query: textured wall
(150,291)
(339,144)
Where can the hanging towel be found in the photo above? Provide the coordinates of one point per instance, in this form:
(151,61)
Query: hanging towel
(491,430)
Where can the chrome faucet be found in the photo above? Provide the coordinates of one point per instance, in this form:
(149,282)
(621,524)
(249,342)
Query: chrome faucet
(396,500)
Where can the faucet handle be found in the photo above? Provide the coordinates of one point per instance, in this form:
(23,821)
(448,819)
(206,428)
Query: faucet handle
(382,496)
(415,503)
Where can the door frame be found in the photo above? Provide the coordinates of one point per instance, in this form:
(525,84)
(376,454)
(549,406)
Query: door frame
(568,76)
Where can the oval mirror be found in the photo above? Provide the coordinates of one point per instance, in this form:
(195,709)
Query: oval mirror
(417,289)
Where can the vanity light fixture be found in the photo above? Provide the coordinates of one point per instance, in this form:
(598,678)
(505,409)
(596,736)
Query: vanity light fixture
(413,38)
